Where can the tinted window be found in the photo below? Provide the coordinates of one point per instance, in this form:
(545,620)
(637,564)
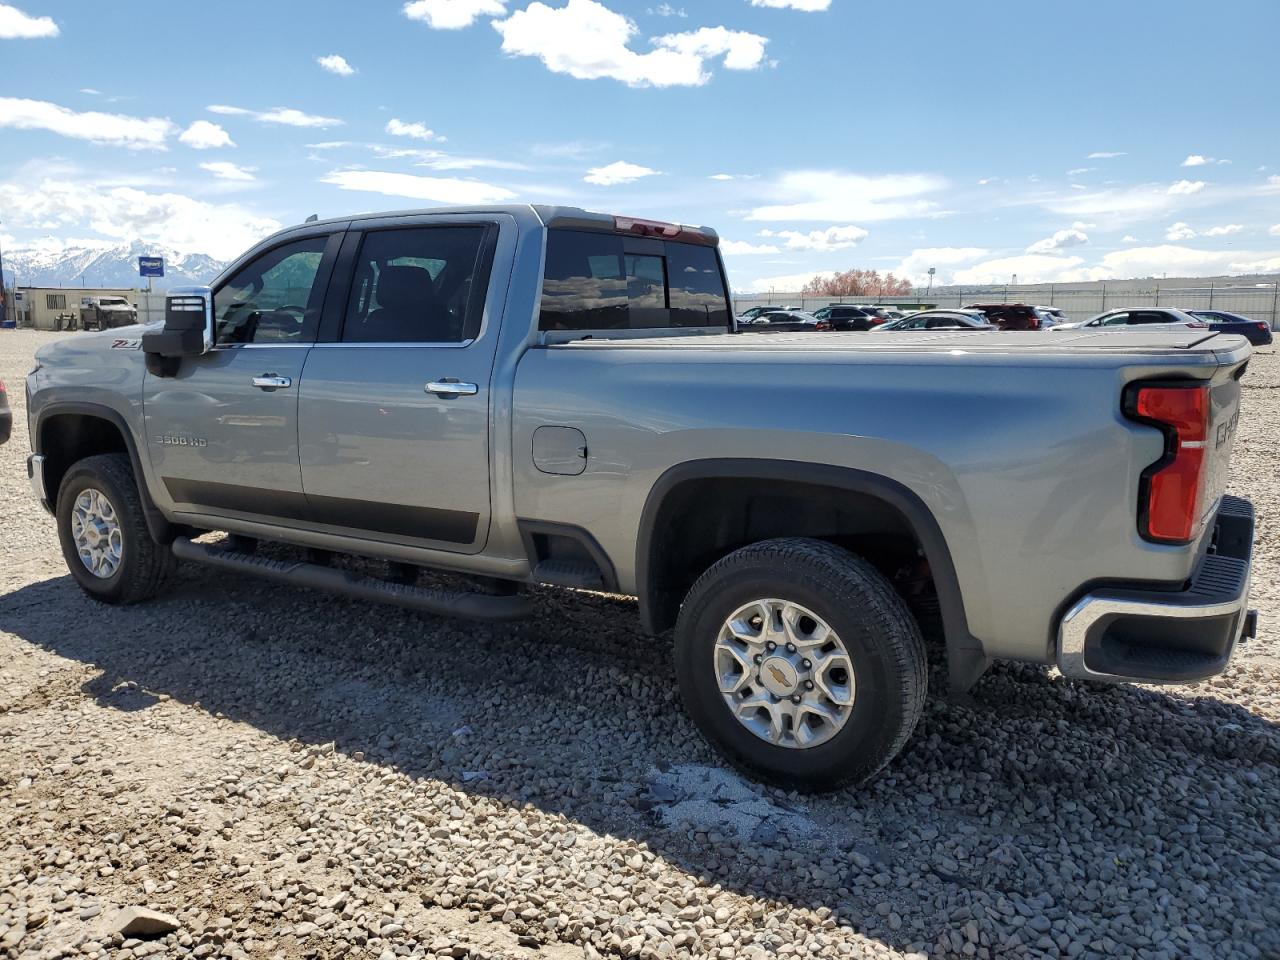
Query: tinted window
(1151,316)
(847,313)
(418,285)
(592,282)
(697,288)
(274,298)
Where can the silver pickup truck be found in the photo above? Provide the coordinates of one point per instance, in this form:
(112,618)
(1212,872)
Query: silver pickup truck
(542,395)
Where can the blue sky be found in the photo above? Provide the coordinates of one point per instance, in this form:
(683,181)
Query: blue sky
(1055,142)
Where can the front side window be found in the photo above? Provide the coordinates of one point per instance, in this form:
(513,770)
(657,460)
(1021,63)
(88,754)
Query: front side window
(592,281)
(418,285)
(274,298)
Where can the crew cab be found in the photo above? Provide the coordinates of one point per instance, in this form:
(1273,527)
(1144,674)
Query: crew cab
(541,395)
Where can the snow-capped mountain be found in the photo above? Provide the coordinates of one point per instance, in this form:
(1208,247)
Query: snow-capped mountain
(53,264)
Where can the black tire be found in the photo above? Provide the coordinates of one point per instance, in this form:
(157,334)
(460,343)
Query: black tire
(144,564)
(881,637)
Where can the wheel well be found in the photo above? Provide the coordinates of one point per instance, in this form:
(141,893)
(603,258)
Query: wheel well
(68,437)
(701,520)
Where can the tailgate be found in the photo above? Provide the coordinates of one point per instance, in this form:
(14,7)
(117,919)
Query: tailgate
(1224,418)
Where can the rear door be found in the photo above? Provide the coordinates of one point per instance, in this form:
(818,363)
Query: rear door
(222,435)
(393,419)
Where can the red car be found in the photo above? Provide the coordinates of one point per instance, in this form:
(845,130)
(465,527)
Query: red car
(1009,316)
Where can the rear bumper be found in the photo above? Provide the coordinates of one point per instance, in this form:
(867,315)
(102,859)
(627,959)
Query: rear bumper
(1153,636)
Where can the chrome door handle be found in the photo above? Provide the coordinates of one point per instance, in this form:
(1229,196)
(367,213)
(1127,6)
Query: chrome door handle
(269,381)
(449,387)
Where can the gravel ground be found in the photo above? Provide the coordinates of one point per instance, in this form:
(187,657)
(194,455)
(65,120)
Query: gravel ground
(287,774)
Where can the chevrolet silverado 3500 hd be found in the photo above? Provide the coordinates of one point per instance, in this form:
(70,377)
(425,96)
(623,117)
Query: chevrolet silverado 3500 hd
(534,394)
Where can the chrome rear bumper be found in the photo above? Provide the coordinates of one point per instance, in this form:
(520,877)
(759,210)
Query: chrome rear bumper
(1153,636)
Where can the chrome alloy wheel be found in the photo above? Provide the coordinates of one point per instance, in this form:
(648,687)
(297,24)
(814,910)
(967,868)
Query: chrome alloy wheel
(96,531)
(784,673)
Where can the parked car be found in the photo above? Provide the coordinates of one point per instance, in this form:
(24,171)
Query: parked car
(1257,332)
(107,313)
(1009,316)
(542,404)
(842,316)
(941,320)
(1051,317)
(783,320)
(754,313)
(6,415)
(1149,318)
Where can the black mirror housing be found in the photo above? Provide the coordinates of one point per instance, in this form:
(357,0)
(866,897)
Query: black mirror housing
(187,331)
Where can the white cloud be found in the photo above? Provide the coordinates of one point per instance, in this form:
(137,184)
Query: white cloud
(225,170)
(587,40)
(835,195)
(1198,160)
(791,283)
(1061,240)
(16,25)
(722,176)
(286,116)
(437,189)
(1179,231)
(1186,187)
(666,10)
(136,133)
(1224,231)
(808,6)
(986,180)
(1076,171)
(616,173)
(1128,238)
(453,14)
(127,213)
(915,266)
(1274,230)
(744,248)
(832,238)
(1120,206)
(1183,261)
(336,64)
(1106,154)
(1029,268)
(203,135)
(418,131)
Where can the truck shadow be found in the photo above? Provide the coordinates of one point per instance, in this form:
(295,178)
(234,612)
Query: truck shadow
(1035,799)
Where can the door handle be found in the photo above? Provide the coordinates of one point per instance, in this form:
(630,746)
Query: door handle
(269,381)
(451,387)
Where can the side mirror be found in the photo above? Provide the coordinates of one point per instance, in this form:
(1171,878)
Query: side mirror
(187,331)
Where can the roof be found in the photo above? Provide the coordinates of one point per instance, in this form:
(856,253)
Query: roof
(547,214)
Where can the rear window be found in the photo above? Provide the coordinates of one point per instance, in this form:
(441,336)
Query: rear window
(600,281)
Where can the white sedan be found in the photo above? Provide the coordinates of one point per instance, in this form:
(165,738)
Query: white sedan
(1149,318)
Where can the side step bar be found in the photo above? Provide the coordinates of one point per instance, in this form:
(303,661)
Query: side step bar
(445,603)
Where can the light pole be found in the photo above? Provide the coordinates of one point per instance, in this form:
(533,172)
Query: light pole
(932,271)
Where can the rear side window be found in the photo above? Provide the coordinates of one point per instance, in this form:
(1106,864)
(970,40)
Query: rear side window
(418,285)
(600,281)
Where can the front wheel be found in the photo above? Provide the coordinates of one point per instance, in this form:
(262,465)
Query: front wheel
(104,535)
(800,664)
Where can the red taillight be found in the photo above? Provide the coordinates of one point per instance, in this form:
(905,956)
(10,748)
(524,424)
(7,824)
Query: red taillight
(823,325)
(648,228)
(876,321)
(1173,487)
(1261,326)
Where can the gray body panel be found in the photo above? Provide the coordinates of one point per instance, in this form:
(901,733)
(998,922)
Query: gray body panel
(1015,442)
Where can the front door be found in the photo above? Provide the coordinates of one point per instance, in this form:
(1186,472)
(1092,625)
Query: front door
(394,414)
(222,435)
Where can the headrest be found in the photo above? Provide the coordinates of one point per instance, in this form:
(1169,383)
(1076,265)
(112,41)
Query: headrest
(401,287)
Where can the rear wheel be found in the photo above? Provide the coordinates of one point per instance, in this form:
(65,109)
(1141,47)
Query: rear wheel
(800,663)
(104,535)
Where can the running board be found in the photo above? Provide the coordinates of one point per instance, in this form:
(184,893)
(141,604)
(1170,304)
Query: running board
(445,603)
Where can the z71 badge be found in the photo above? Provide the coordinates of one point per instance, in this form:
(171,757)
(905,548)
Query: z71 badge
(127,344)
